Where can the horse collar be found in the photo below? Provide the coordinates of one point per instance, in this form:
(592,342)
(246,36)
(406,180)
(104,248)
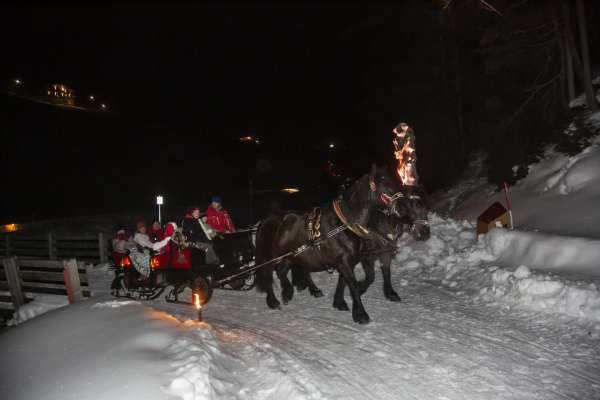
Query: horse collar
(356,228)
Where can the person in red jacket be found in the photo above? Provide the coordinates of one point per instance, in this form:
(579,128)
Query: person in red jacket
(218,217)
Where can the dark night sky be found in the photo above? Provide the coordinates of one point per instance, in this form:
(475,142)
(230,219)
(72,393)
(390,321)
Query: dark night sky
(184,81)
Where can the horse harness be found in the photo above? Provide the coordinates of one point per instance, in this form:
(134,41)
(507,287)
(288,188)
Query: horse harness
(313,224)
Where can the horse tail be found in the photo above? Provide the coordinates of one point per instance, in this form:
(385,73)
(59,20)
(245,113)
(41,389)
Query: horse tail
(265,241)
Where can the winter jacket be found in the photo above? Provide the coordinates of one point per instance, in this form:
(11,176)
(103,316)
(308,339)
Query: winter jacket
(143,240)
(219,220)
(192,230)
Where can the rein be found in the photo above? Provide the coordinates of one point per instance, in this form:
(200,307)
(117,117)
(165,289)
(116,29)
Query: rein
(276,260)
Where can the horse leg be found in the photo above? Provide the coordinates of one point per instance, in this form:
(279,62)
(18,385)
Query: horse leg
(369,268)
(313,289)
(287,290)
(359,314)
(388,290)
(299,278)
(338,297)
(302,279)
(264,282)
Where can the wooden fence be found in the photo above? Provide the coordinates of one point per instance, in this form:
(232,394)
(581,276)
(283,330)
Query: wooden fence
(90,248)
(23,277)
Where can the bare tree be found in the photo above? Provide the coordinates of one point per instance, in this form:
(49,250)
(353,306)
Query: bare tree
(587,81)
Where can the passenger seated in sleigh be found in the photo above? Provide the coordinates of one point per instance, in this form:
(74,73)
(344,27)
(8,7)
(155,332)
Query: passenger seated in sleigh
(141,254)
(200,235)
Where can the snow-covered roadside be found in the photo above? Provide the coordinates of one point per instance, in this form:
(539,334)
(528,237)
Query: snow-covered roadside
(112,349)
(495,267)
(40,304)
(560,195)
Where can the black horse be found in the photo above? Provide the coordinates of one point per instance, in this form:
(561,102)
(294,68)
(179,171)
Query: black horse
(412,211)
(278,236)
(410,215)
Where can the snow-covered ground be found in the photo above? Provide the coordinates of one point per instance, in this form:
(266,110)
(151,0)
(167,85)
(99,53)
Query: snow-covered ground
(466,329)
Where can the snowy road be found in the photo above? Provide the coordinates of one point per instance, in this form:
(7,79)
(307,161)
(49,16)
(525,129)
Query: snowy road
(435,344)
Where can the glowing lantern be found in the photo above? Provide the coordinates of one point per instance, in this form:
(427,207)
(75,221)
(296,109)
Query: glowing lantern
(198,305)
(125,262)
(154,262)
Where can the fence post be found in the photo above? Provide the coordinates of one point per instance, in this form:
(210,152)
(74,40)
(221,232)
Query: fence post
(51,249)
(72,282)
(102,247)
(14,282)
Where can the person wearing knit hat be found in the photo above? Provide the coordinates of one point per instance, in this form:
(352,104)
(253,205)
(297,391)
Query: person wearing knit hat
(218,217)
(121,243)
(142,239)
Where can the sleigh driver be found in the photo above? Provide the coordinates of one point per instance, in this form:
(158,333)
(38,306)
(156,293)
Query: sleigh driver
(200,235)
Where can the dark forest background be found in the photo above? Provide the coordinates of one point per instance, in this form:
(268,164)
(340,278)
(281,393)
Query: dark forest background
(184,82)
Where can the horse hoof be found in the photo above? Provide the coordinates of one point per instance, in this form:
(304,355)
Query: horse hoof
(342,306)
(362,318)
(318,293)
(286,298)
(393,297)
(273,304)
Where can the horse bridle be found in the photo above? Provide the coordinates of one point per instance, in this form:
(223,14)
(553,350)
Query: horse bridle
(389,200)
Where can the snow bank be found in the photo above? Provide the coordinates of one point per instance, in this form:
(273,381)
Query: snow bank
(544,293)
(108,350)
(41,304)
(457,260)
(545,252)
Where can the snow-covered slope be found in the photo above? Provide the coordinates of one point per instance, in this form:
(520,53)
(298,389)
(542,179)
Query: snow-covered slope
(560,195)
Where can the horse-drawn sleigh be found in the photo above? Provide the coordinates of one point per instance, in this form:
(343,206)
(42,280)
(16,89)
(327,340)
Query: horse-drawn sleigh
(362,224)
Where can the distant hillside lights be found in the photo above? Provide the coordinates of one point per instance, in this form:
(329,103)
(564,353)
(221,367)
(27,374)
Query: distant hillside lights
(61,94)
(92,98)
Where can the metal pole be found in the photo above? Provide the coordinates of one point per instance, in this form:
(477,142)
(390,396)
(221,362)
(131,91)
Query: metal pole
(159,221)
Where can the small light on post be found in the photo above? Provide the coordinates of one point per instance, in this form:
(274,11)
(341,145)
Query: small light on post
(17,81)
(159,202)
(290,190)
(331,145)
(103,106)
(92,97)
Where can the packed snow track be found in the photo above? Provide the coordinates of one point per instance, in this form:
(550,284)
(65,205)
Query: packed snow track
(435,344)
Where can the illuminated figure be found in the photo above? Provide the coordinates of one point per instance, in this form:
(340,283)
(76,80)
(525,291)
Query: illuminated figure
(406,154)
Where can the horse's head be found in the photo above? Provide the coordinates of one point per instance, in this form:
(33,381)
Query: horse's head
(411,209)
(383,187)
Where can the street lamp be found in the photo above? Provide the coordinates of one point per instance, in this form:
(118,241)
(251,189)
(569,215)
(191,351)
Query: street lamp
(17,82)
(92,97)
(290,190)
(103,106)
(159,202)
(331,145)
